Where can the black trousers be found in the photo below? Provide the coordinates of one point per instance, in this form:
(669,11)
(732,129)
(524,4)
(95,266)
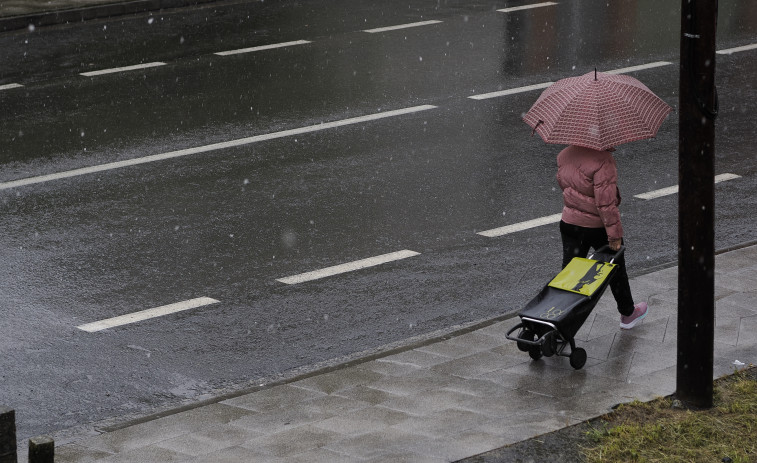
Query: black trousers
(576,242)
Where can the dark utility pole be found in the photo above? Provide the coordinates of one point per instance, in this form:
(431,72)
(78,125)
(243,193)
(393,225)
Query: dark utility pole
(696,203)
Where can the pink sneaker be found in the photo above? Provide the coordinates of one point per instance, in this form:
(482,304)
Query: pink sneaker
(639,312)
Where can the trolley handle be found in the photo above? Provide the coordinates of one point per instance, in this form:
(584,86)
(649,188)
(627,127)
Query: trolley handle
(606,247)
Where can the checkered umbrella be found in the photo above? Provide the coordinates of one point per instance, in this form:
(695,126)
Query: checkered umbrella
(597,110)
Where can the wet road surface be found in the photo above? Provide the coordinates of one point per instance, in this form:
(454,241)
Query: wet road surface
(217,176)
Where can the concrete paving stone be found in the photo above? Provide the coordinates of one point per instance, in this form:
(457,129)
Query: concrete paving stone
(417,358)
(169,427)
(578,385)
(281,419)
(738,304)
(503,377)
(238,455)
(333,405)
(374,445)
(208,440)
(603,325)
(737,281)
(76,453)
(382,417)
(727,329)
(350,426)
(662,381)
(388,368)
(644,290)
(336,381)
(479,387)
(748,331)
(744,353)
(273,398)
(464,445)
(366,394)
(649,330)
(632,341)
(662,308)
(148,453)
(446,423)
(404,386)
(524,425)
(615,367)
(509,348)
(646,363)
(448,349)
(292,441)
(430,401)
(545,369)
(669,297)
(665,279)
(479,341)
(580,408)
(476,364)
(597,348)
(322,456)
(733,262)
(499,329)
(406,457)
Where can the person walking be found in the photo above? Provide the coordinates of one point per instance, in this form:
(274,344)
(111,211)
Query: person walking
(591,218)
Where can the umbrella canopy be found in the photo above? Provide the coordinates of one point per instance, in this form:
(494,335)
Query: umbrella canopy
(597,110)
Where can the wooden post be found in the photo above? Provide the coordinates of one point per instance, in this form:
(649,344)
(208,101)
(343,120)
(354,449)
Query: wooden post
(41,449)
(7,435)
(696,204)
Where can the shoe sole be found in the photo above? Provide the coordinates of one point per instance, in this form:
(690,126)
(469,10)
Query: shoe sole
(633,323)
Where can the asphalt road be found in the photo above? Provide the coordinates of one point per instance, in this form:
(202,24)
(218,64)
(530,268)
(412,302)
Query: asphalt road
(207,175)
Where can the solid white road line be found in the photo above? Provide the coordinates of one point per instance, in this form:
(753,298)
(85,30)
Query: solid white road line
(213,147)
(516,227)
(511,91)
(729,51)
(526,7)
(401,26)
(123,69)
(262,47)
(348,267)
(674,189)
(147,314)
(10,86)
(640,67)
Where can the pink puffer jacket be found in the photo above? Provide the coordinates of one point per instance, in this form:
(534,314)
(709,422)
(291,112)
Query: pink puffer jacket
(589,181)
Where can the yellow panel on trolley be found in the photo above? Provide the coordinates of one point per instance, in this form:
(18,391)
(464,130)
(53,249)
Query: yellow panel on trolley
(582,276)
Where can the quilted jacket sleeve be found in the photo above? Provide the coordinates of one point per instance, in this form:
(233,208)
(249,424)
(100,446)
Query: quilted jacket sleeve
(607,197)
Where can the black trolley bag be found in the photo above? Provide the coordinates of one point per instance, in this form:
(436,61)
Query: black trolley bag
(549,323)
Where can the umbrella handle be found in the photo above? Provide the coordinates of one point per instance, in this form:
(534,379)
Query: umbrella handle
(537,125)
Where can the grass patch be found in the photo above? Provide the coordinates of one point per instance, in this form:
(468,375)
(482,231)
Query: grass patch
(657,432)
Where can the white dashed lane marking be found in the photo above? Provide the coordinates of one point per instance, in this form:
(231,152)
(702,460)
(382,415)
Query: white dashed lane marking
(135,67)
(526,7)
(348,267)
(262,47)
(147,314)
(671,190)
(401,26)
(729,51)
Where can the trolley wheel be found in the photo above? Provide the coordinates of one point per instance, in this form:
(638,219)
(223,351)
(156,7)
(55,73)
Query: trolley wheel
(578,358)
(550,344)
(526,335)
(534,352)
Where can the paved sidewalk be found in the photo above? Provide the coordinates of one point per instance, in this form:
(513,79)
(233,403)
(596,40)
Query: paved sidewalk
(451,399)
